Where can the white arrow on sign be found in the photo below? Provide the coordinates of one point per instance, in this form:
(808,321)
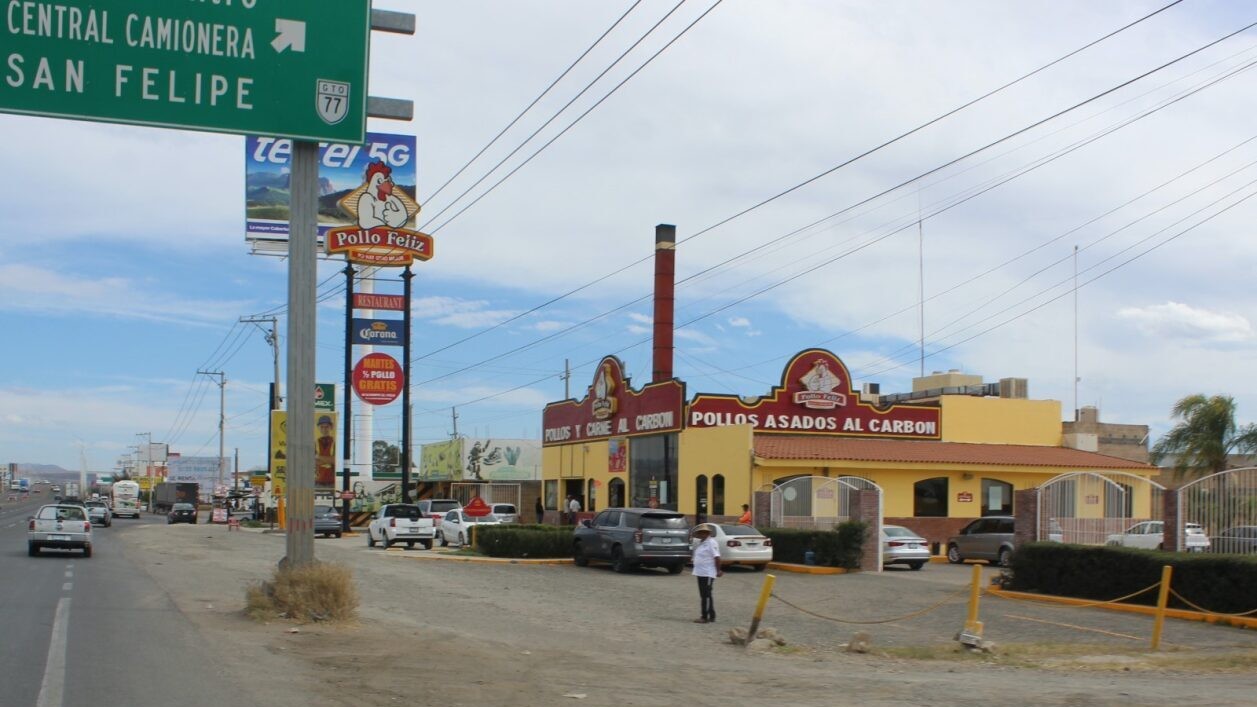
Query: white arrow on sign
(291,33)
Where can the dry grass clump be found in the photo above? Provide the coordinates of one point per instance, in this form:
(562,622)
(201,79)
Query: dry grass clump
(318,591)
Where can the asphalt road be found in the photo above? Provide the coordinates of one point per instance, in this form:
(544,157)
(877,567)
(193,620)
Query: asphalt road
(98,631)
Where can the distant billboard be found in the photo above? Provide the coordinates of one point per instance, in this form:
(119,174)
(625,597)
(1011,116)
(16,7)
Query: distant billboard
(475,459)
(202,470)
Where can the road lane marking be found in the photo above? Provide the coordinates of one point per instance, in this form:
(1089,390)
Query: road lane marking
(67,586)
(69,573)
(52,689)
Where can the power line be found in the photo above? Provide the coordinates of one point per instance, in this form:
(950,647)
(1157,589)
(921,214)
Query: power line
(538,98)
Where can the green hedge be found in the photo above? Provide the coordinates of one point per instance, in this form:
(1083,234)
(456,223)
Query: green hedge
(841,547)
(1219,583)
(522,541)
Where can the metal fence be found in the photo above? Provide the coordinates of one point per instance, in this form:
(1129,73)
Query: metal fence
(1101,508)
(1221,508)
(817,502)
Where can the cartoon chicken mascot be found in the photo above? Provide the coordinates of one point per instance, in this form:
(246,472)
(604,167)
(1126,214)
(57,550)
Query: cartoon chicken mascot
(378,205)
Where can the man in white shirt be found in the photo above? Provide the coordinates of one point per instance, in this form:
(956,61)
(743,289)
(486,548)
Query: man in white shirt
(573,507)
(707,569)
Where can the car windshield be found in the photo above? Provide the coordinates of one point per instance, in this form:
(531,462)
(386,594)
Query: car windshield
(739,530)
(660,521)
(897,531)
(95,504)
(182,507)
(443,506)
(504,508)
(407,512)
(482,519)
(323,510)
(69,513)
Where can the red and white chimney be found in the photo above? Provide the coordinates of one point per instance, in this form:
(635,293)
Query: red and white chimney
(665,283)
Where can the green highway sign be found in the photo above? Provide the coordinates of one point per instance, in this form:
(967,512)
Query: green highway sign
(290,68)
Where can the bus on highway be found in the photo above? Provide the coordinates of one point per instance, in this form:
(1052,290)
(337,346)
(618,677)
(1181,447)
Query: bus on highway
(126,498)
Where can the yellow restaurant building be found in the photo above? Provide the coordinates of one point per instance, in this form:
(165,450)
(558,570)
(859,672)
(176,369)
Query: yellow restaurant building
(953,450)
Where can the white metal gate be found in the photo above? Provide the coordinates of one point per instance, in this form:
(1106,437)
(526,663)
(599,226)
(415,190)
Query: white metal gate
(1222,508)
(817,502)
(1098,507)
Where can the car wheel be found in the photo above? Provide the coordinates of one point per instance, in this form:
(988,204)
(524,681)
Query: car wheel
(578,555)
(675,568)
(427,544)
(441,537)
(758,568)
(385,541)
(953,555)
(915,565)
(618,563)
(1005,557)
(410,544)
(32,549)
(338,536)
(370,538)
(87,551)
(461,540)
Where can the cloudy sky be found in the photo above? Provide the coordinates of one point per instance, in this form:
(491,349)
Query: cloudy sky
(124,267)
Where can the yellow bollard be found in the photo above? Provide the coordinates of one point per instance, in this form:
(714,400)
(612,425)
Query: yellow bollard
(1163,597)
(280,516)
(972,625)
(764,594)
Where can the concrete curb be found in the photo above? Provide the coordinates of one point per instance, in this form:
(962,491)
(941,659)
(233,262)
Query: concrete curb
(1186,615)
(806,569)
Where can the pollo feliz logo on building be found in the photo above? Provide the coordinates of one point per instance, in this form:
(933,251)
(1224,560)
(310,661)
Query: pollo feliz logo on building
(613,407)
(382,211)
(816,397)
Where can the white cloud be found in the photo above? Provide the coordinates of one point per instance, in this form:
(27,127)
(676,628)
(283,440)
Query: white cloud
(460,313)
(742,322)
(549,325)
(1174,320)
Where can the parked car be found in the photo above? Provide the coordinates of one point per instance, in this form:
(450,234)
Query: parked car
(1242,539)
(327,521)
(1150,535)
(740,545)
(400,523)
(436,508)
(456,526)
(631,537)
(901,546)
(989,538)
(98,513)
(181,513)
(506,512)
(63,527)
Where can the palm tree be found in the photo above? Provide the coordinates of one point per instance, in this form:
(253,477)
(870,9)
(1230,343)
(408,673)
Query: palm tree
(1204,437)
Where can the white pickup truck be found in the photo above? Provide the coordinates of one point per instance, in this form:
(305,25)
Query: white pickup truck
(400,523)
(64,527)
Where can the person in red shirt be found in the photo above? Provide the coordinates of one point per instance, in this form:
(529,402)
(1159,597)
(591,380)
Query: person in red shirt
(745,519)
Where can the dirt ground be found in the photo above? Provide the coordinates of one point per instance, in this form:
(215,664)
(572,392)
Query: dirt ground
(435,632)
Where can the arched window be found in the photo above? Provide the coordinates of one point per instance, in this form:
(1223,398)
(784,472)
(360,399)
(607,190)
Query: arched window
(700,495)
(590,497)
(718,495)
(997,498)
(615,494)
(929,498)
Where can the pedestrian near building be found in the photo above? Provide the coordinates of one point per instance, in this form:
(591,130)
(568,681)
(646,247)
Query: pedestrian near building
(706,569)
(573,507)
(541,512)
(745,518)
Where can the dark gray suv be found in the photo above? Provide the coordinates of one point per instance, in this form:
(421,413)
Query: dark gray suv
(631,537)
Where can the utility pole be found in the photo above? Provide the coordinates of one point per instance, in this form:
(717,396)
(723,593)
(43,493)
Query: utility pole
(567,378)
(272,338)
(148,463)
(222,417)
(454,414)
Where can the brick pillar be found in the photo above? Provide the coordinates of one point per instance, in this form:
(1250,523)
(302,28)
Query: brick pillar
(761,509)
(1026,517)
(1169,513)
(868,508)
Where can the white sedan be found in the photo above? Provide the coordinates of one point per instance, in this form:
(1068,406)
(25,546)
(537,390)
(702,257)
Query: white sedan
(456,526)
(741,545)
(1150,534)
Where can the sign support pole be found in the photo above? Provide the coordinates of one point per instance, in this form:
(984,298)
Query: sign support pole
(302,276)
(407,276)
(348,404)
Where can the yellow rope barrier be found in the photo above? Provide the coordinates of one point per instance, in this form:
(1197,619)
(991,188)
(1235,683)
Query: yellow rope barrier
(1087,605)
(914,614)
(1203,610)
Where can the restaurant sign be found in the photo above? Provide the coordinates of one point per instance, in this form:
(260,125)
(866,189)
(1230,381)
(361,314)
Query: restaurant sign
(816,396)
(612,407)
